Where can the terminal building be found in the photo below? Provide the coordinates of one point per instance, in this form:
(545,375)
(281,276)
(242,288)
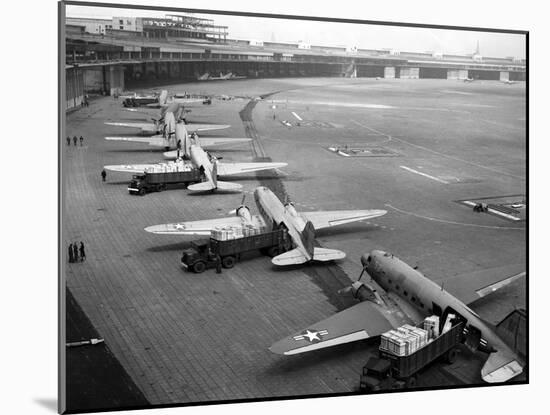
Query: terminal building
(108,55)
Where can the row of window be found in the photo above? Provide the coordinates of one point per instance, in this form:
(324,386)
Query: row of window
(414,300)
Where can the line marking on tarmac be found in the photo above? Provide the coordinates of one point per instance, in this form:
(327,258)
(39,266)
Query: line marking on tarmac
(449,222)
(496,212)
(437,179)
(297,116)
(447,156)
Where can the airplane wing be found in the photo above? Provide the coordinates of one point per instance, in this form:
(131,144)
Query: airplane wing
(136,139)
(361,321)
(199,227)
(327,219)
(207,142)
(228,169)
(129,168)
(501,366)
(196,128)
(473,286)
(146,126)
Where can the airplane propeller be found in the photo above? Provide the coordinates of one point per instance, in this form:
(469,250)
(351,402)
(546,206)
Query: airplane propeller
(234,211)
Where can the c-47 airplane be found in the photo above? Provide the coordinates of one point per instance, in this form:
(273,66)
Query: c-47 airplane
(209,165)
(407,297)
(301,226)
(164,101)
(172,132)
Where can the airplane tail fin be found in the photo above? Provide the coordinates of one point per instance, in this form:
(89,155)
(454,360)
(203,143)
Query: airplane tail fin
(215,173)
(308,238)
(163,97)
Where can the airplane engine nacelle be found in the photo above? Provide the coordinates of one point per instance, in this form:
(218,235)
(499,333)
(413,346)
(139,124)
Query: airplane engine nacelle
(360,291)
(244,213)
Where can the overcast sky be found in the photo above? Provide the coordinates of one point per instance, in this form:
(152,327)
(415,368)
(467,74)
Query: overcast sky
(344,34)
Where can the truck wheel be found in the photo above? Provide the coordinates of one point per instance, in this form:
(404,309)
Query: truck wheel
(411,382)
(199,267)
(398,384)
(228,262)
(273,251)
(451,355)
(141,191)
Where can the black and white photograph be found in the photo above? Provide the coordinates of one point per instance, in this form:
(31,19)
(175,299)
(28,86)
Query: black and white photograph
(266,207)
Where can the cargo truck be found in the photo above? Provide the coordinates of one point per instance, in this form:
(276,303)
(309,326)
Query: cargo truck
(156,182)
(203,254)
(390,371)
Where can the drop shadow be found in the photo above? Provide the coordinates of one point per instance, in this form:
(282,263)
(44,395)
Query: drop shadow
(49,403)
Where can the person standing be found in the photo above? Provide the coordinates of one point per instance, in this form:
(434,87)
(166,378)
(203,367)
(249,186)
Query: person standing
(218,264)
(75,140)
(71,259)
(81,140)
(68,140)
(75,252)
(103,174)
(82,252)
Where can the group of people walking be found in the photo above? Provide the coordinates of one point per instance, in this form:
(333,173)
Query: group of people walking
(75,140)
(77,253)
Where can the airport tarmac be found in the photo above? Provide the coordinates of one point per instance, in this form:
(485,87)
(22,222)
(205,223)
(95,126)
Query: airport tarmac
(184,337)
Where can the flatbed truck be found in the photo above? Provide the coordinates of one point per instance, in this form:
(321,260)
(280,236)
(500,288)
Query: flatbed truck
(390,371)
(157,182)
(204,253)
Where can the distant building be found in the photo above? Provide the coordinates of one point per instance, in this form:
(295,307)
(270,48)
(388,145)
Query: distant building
(255,42)
(93,26)
(132,24)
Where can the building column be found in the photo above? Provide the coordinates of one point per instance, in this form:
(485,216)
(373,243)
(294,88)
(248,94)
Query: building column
(452,74)
(409,73)
(116,79)
(389,72)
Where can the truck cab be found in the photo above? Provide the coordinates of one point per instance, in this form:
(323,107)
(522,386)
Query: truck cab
(137,185)
(376,375)
(198,257)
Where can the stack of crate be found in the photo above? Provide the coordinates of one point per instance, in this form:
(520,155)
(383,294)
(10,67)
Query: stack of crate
(405,340)
(431,325)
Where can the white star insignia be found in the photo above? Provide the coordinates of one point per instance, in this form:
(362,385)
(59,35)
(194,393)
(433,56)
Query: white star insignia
(311,336)
(180,226)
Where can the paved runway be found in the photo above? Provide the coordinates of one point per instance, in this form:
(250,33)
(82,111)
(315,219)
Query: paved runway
(184,337)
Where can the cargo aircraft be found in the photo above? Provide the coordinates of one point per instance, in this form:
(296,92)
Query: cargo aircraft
(172,132)
(209,165)
(274,214)
(407,297)
(229,75)
(165,102)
